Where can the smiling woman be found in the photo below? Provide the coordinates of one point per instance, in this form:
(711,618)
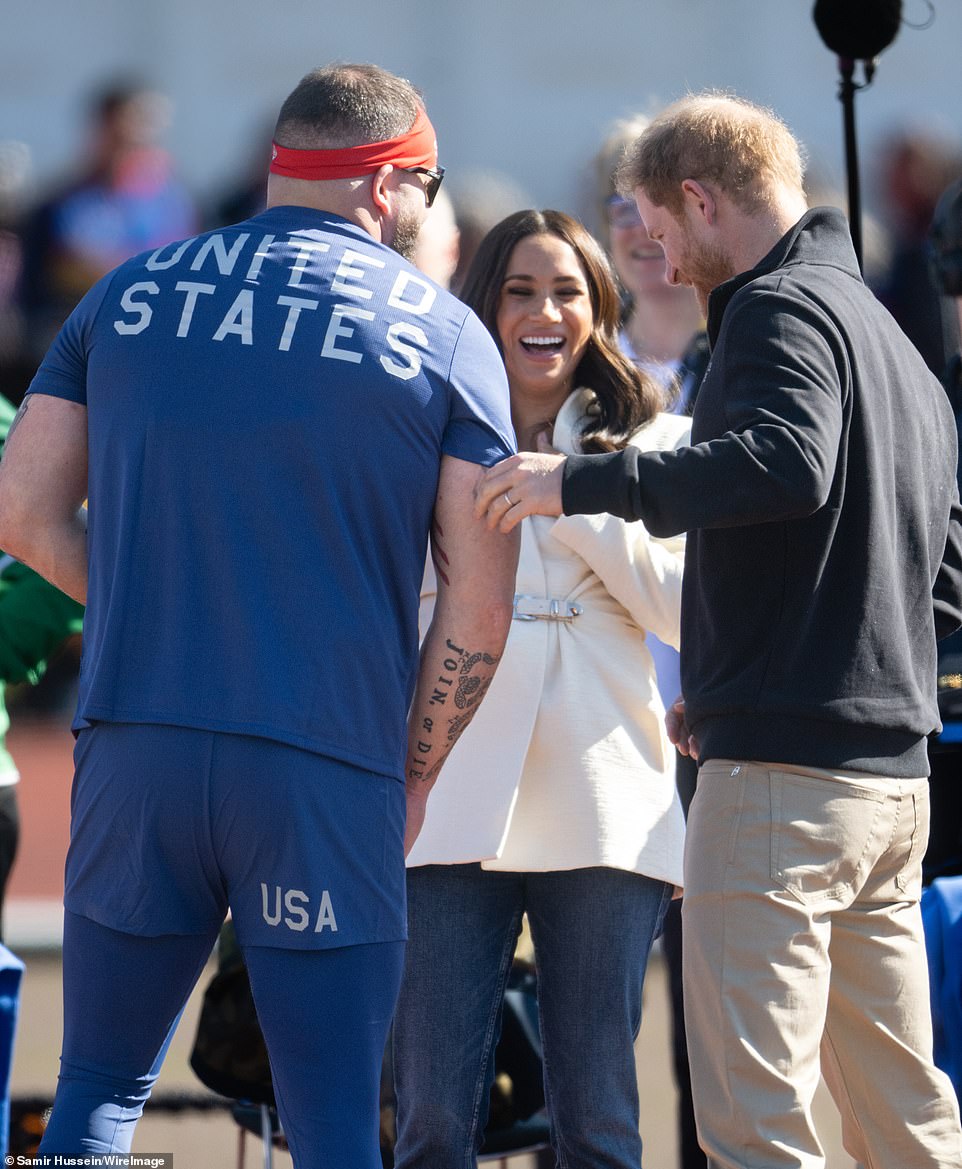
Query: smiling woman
(540,282)
(544,322)
(561,803)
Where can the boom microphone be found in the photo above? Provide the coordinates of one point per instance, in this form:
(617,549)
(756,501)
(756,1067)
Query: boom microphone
(858,30)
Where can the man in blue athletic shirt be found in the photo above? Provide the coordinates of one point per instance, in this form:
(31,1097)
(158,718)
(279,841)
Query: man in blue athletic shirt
(266,421)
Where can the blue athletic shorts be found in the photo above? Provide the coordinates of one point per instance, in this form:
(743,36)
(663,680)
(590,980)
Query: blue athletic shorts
(170,826)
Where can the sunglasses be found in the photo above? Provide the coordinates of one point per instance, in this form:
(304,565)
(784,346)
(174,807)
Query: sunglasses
(433,184)
(622,212)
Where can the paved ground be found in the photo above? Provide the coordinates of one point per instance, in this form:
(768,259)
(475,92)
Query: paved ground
(210,1141)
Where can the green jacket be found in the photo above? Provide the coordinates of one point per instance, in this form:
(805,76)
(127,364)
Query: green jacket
(34,619)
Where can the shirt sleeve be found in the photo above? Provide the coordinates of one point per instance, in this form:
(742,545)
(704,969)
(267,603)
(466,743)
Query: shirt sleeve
(63,371)
(479,426)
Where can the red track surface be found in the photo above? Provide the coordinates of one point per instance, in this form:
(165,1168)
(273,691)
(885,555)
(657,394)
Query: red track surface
(43,753)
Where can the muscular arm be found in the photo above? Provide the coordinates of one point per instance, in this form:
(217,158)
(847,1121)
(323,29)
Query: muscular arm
(476,572)
(43,484)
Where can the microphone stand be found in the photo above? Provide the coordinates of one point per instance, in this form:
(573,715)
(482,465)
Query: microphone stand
(846,95)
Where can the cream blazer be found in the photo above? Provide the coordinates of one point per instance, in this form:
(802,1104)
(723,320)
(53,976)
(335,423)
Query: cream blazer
(567,764)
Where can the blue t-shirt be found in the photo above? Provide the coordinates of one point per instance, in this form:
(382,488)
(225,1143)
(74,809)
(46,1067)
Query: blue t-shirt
(267,408)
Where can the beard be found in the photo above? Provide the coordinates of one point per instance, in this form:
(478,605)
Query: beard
(706,267)
(407,228)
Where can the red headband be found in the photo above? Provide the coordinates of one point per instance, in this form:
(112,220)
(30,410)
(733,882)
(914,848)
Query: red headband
(418,147)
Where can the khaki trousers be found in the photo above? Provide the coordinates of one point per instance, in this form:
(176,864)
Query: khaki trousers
(803,952)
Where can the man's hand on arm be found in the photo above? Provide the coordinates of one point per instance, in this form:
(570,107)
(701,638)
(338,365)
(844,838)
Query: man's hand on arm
(526,484)
(43,484)
(476,569)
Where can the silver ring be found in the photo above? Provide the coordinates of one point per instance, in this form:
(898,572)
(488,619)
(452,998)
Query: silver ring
(509,499)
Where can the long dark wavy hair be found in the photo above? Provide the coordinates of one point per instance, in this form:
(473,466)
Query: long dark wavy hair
(627,396)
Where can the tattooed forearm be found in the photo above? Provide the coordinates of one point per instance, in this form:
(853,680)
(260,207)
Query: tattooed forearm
(471,689)
(460,669)
(465,675)
(460,721)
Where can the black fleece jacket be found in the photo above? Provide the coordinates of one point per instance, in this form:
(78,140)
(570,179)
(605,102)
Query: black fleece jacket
(825,544)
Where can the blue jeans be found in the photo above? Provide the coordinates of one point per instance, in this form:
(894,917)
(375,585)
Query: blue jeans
(592,931)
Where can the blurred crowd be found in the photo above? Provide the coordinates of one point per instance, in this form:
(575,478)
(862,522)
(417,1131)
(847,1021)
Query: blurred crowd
(122,194)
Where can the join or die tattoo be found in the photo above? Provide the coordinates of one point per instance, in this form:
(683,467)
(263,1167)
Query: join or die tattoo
(459,689)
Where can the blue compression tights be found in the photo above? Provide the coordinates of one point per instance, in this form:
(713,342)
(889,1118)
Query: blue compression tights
(325,1015)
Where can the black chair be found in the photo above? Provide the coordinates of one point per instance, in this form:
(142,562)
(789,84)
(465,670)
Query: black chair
(229,1056)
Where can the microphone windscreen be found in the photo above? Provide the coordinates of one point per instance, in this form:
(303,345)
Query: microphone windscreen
(858,29)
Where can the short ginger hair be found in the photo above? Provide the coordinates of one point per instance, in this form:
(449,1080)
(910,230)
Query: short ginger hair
(743,149)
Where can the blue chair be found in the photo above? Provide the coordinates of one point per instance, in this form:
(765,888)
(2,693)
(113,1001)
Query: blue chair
(11,973)
(942,921)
